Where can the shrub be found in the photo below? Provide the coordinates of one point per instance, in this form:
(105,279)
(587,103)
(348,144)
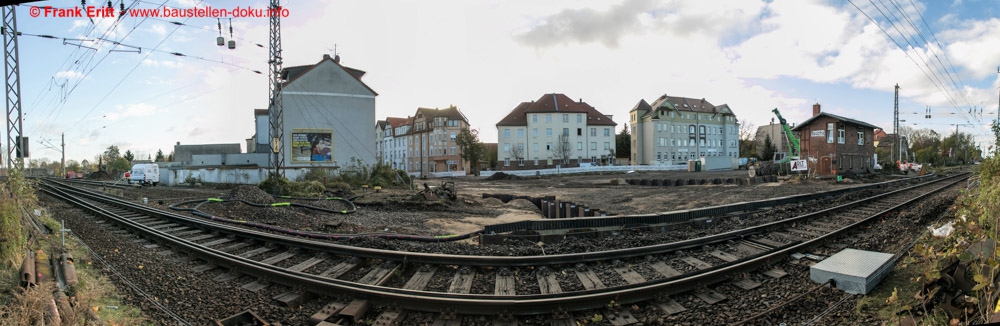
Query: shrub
(275,185)
(316,174)
(310,188)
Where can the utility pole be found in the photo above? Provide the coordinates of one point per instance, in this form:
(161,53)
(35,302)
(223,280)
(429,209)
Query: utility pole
(895,119)
(275,109)
(15,147)
(62,166)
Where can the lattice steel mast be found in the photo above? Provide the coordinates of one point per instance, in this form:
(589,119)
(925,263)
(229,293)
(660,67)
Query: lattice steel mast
(12,72)
(275,109)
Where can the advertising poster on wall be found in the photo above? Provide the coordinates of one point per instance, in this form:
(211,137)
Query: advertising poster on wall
(312,145)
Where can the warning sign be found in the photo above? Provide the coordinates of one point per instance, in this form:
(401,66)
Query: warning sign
(799,165)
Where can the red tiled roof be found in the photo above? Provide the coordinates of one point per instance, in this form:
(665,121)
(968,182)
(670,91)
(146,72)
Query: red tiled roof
(396,122)
(452,113)
(554,103)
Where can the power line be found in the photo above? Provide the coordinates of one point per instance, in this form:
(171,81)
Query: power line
(931,74)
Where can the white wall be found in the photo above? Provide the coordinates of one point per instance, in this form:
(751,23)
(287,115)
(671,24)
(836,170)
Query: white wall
(576,120)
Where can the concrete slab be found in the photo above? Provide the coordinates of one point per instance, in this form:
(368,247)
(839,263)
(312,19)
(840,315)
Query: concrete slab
(855,271)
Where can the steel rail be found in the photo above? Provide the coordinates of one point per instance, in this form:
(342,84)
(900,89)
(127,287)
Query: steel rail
(484,304)
(483,261)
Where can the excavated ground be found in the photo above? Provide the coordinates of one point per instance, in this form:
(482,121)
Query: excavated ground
(201,301)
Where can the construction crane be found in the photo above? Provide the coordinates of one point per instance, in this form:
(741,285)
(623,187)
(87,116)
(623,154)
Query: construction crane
(790,140)
(774,166)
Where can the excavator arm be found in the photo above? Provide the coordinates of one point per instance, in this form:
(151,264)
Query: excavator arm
(793,142)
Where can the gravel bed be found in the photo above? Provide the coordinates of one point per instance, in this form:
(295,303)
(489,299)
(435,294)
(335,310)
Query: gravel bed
(200,300)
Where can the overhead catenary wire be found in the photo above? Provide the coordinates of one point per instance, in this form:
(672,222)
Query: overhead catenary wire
(933,75)
(87,73)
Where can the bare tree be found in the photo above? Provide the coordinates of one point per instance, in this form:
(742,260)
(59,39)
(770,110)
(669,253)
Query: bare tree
(562,151)
(747,130)
(517,151)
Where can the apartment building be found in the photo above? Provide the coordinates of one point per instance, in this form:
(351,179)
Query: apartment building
(430,144)
(554,130)
(392,141)
(673,130)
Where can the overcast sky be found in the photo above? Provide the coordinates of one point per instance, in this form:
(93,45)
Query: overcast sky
(485,57)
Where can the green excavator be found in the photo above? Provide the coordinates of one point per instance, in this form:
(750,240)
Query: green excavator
(780,159)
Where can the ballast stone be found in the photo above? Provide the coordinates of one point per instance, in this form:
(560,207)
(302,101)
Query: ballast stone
(855,271)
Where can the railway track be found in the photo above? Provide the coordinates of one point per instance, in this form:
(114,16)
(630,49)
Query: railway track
(502,286)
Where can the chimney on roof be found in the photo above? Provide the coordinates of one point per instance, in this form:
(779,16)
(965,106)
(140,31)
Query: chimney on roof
(336,58)
(326,56)
(816,110)
(581,100)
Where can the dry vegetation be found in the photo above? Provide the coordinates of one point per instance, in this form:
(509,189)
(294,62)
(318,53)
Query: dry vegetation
(91,300)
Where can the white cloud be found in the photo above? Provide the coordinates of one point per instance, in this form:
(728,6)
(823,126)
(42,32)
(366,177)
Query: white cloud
(172,64)
(134,110)
(69,74)
(159,29)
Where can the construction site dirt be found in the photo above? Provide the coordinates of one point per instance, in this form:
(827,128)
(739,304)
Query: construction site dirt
(409,211)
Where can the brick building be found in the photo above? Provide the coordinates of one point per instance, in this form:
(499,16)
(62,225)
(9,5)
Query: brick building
(836,145)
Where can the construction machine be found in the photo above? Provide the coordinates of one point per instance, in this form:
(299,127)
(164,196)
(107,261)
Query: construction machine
(780,159)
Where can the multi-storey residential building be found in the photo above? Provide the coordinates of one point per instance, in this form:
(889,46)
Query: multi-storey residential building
(430,145)
(779,140)
(326,115)
(673,130)
(392,140)
(554,130)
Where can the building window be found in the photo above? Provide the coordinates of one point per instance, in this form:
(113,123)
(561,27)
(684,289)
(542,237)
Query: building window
(520,162)
(534,118)
(861,136)
(579,131)
(534,147)
(453,135)
(548,146)
(534,132)
(593,132)
(548,118)
(579,145)
(520,134)
(565,117)
(506,148)
(691,129)
(506,161)
(506,134)
(829,133)
(579,118)
(607,132)
(565,132)
(607,145)
(593,146)
(840,133)
(657,155)
(548,132)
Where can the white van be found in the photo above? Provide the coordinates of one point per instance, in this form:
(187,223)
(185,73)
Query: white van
(144,174)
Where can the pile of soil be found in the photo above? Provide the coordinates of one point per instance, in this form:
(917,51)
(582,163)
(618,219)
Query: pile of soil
(502,176)
(99,175)
(250,194)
